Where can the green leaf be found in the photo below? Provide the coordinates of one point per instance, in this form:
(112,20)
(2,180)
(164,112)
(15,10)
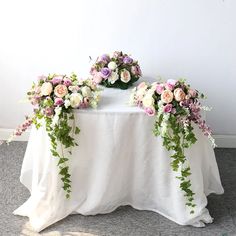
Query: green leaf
(77,130)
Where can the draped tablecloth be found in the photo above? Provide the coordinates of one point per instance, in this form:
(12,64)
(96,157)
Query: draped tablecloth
(118,162)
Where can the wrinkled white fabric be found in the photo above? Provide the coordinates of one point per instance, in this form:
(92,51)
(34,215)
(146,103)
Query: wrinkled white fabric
(118,162)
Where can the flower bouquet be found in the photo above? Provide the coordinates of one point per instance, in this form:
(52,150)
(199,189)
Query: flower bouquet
(176,108)
(118,70)
(53,98)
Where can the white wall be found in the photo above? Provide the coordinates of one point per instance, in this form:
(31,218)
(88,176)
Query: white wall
(194,39)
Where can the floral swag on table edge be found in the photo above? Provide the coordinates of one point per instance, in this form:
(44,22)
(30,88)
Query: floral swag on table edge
(117,70)
(176,106)
(54,98)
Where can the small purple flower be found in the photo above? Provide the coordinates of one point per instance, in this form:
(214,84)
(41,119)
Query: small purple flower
(149,111)
(105,72)
(42,78)
(58,101)
(128,60)
(56,80)
(136,70)
(116,54)
(104,58)
(167,108)
(67,82)
(139,70)
(48,111)
(173,111)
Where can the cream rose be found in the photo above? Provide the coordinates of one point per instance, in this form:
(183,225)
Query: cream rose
(112,65)
(113,77)
(148,101)
(76,99)
(60,90)
(167,96)
(86,91)
(179,94)
(46,89)
(125,76)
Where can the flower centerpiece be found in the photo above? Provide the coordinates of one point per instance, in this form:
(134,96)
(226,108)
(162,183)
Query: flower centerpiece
(118,70)
(176,108)
(54,98)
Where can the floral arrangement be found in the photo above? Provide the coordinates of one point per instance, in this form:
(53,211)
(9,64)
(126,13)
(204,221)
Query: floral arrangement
(53,98)
(118,70)
(176,107)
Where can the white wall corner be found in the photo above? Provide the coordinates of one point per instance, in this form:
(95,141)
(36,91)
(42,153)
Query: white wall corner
(225,141)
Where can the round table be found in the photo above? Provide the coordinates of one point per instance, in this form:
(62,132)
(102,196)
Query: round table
(118,162)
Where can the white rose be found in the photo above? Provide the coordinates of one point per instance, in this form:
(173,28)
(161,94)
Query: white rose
(148,100)
(58,110)
(113,77)
(86,91)
(76,99)
(140,93)
(46,88)
(55,120)
(125,76)
(67,103)
(112,65)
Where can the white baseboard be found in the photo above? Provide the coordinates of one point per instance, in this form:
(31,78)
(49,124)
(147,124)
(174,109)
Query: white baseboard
(225,141)
(6,133)
(222,141)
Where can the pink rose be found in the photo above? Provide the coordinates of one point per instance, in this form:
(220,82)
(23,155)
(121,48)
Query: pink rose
(142,85)
(167,108)
(60,90)
(172,82)
(58,101)
(159,88)
(167,96)
(97,78)
(150,111)
(192,93)
(169,86)
(125,76)
(179,94)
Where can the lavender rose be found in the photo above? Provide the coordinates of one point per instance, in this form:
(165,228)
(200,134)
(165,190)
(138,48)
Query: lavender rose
(67,82)
(127,60)
(57,80)
(135,70)
(105,72)
(104,58)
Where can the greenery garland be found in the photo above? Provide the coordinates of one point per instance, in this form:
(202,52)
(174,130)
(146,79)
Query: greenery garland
(175,106)
(54,99)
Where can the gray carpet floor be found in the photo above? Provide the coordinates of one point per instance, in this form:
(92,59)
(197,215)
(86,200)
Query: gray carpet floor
(124,221)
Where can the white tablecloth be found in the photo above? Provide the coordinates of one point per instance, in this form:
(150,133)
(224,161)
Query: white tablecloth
(118,162)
